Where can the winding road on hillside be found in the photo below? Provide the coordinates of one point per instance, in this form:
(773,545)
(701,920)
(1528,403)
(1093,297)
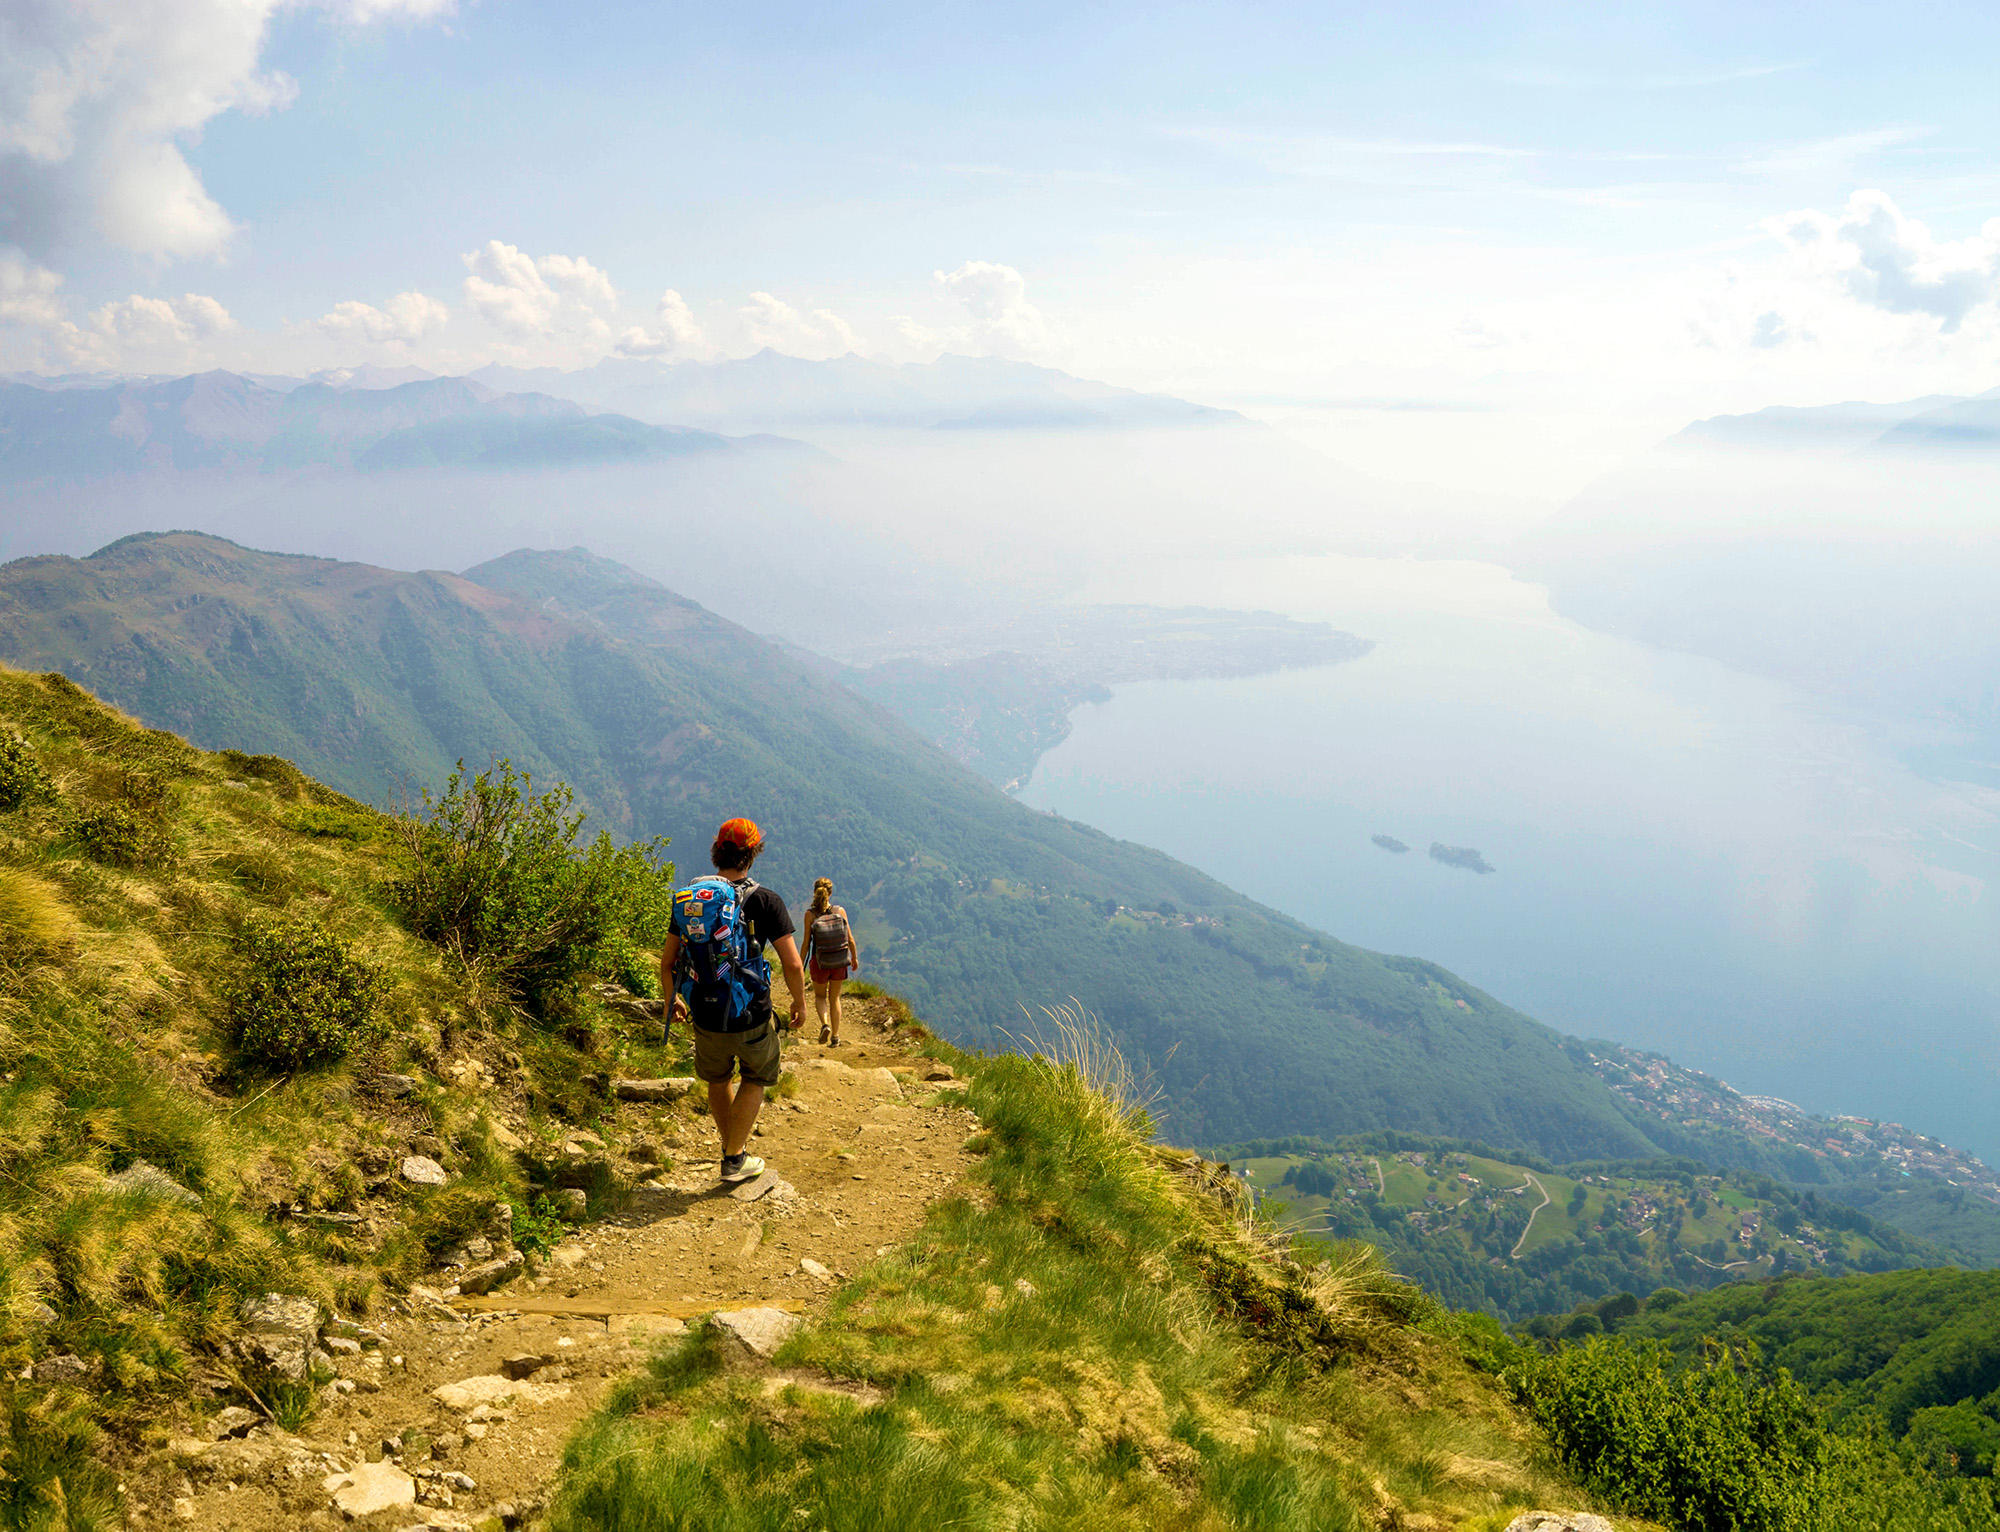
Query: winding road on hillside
(1527,1181)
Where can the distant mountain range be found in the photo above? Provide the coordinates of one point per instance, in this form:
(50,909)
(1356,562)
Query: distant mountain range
(223,422)
(1817,428)
(666,718)
(774,392)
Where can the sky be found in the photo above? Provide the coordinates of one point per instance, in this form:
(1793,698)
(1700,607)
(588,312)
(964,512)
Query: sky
(1496,248)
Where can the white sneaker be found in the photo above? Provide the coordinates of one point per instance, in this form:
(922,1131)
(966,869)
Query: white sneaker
(741,1167)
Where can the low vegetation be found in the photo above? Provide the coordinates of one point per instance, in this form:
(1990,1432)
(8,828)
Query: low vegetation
(1724,1443)
(300,996)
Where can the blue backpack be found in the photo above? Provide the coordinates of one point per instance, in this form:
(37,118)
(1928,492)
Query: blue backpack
(723,978)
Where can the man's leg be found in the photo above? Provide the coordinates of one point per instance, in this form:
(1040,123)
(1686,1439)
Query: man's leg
(721,1106)
(742,1116)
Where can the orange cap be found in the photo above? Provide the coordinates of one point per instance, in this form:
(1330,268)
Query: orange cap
(740,832)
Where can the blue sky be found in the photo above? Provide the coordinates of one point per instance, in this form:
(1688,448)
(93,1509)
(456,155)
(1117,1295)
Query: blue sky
(1496,244)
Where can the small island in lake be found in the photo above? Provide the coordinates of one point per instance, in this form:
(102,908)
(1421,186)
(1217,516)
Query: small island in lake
(1389,843)
(1459,856)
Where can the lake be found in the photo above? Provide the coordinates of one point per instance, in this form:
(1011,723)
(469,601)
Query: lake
(1687,859)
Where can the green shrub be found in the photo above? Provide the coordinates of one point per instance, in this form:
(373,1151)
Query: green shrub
(21,776)
(119,837)
(496,877)
(1718,1447)
(300,997)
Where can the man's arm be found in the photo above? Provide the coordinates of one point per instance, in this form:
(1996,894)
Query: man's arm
(795,976)
(670,955)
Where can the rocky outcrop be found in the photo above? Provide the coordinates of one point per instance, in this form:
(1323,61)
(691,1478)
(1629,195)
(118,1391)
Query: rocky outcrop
(280,1334)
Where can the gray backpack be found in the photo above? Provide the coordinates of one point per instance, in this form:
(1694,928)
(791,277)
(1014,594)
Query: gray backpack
(829,940)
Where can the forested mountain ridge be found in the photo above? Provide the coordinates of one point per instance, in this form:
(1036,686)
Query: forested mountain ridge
(666,718)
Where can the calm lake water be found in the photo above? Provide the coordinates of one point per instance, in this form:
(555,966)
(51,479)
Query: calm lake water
(1686,859)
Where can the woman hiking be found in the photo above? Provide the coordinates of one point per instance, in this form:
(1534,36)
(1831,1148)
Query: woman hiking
(831,957)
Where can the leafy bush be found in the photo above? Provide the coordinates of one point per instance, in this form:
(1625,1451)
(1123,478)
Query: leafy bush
(1725,1444)
(122,838)
(1716,1447)
(21,775)
(300,998)
(496,877)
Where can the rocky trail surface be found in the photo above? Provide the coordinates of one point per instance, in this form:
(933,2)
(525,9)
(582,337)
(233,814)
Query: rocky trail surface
(451,1412)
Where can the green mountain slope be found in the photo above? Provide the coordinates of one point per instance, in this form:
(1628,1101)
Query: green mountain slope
(666,719)
(1487,1232)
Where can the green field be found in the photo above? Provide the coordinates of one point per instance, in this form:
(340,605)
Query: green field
(1516,1239)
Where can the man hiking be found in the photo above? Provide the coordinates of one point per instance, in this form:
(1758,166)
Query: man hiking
(713,963)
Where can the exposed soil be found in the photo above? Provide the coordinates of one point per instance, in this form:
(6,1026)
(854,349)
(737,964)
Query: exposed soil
(857,1156)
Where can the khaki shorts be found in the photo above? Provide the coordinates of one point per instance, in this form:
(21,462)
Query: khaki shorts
(716,1055)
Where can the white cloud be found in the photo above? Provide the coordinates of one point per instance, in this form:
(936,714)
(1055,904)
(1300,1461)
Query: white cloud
(364,11)
(139,330)
(513,291)
(1004,322)
(770,321)
(576,277)
(1892,262)
(678,334)
(403,320)
(97,97)
(139,324)
(30,295)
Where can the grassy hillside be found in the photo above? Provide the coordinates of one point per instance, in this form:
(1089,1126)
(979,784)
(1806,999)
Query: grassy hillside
(217,1045)
(666,719)
(1490,1233)
(1918,1350)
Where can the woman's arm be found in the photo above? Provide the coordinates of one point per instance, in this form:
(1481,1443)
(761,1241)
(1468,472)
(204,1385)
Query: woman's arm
(853,951)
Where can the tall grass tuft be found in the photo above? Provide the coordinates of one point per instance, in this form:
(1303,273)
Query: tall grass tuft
(34,917)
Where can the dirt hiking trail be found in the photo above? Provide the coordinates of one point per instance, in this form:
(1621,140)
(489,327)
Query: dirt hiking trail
(472,1398)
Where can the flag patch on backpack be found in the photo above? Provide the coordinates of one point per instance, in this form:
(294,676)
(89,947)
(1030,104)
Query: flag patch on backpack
(722,977)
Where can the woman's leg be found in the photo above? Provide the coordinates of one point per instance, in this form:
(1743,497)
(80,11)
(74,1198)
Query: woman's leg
(833,1005)
(822,999)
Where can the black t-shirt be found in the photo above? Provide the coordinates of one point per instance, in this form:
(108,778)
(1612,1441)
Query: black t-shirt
(767,919)
(765,915)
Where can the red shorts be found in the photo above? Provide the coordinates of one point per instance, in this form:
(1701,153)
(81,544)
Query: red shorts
(827,975)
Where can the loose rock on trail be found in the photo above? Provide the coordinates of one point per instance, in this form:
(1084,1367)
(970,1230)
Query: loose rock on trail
(462,1403)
